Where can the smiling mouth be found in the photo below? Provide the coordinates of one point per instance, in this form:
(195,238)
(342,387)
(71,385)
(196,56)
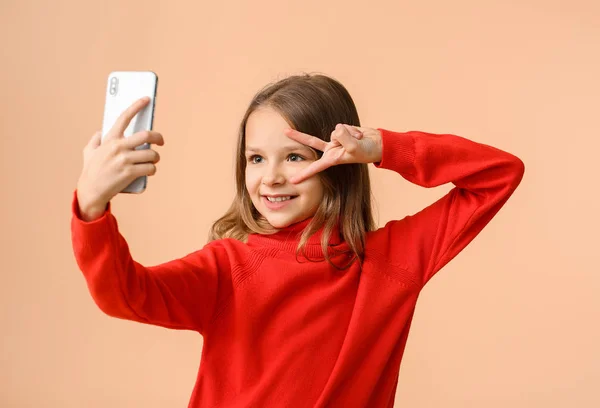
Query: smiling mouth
(279,198)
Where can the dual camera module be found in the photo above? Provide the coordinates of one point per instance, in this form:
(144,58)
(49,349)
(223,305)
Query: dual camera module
(114,85)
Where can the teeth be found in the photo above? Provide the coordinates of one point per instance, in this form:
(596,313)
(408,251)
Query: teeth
(277,199)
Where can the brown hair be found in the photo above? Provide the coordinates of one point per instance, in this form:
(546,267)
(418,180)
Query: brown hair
(313,104)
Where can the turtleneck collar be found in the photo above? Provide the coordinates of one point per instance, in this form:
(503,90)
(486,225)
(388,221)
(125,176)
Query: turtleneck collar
(288,238)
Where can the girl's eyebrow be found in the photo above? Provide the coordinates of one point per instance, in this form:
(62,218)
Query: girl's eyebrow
(288,148)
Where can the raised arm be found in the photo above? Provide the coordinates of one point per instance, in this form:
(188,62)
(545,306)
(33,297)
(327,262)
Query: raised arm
(484,178)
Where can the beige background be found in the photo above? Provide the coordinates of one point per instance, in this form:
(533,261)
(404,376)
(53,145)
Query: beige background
(513,321)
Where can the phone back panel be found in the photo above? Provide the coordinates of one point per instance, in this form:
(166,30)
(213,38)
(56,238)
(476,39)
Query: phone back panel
(123,89)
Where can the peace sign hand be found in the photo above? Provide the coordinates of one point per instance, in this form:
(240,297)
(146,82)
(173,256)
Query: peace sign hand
(349,144)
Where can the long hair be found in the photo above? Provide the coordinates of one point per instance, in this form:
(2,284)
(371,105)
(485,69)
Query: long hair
(313,104)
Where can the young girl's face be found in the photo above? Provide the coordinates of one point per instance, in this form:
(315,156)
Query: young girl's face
(272,159)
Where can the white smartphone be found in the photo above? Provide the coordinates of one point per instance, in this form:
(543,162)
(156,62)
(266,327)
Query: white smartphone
(123,88)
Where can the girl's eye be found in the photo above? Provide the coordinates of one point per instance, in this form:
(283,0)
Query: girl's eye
(295,157)
(255,159)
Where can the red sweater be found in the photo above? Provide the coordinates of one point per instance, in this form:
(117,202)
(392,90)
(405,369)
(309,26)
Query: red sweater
(283,333)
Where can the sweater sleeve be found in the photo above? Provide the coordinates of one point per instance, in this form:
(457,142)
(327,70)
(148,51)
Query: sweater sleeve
(179,294)
(484,178)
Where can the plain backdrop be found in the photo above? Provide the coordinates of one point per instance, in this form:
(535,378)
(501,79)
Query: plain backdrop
(512,321)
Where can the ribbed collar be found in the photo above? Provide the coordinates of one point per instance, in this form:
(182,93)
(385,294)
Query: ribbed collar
(288,238)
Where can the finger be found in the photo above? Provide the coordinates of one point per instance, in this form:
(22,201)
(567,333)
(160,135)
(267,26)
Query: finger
(146,136)
(143,156)
(305,139)
(143,169)
(123,120)
(95,140)
(314,168)
(354,131)
(342,135)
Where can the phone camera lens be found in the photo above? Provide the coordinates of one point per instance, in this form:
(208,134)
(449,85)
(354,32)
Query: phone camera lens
(113,85)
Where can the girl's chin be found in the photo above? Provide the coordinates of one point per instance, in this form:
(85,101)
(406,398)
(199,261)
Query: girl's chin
(280,222)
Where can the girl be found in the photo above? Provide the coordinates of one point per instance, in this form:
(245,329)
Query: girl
(300,299)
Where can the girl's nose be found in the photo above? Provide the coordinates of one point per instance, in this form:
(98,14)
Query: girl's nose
(273,176)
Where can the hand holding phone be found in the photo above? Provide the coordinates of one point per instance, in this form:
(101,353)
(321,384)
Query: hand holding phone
(112,162)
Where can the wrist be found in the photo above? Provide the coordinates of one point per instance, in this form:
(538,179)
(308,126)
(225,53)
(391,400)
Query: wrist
(89,214)
(90,209)
(378,149)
